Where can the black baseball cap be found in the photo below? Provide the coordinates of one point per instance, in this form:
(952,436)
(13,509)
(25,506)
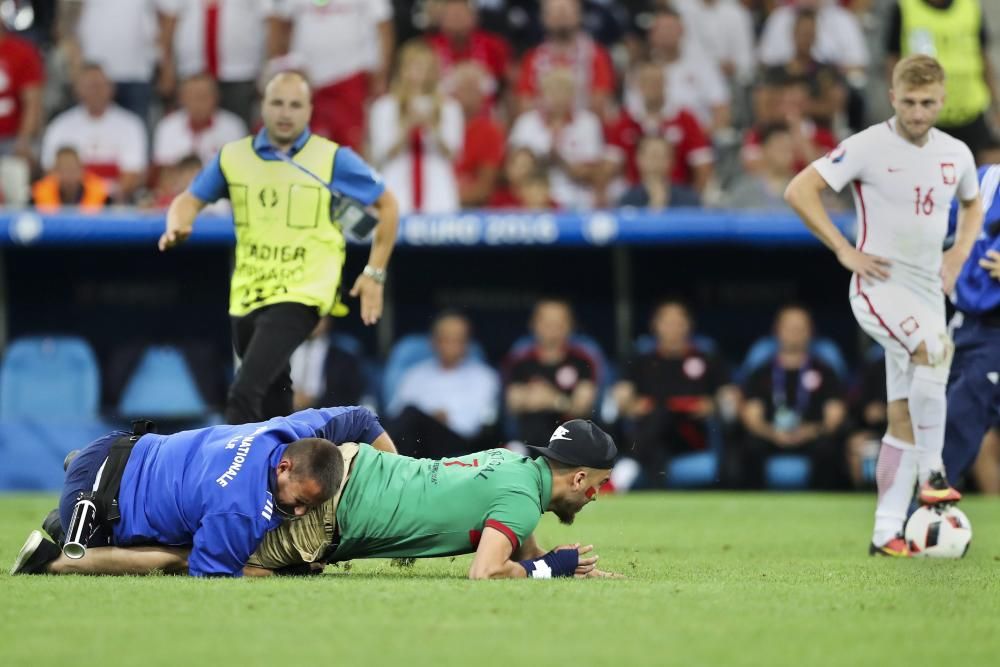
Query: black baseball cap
(580,442)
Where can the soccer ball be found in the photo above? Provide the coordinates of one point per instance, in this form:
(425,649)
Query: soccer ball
(938,532)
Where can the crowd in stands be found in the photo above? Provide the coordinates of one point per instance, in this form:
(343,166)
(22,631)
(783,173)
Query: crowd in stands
(460,103)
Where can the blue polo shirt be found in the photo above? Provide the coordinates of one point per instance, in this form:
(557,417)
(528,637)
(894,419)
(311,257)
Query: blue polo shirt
(351,175)
(212,488)
(976,292)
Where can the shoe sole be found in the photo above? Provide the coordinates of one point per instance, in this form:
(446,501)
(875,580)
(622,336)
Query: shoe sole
(27,551)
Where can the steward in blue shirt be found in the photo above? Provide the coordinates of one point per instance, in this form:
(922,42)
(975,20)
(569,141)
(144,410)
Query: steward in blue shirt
(215,490)
(973,389)
(293,195)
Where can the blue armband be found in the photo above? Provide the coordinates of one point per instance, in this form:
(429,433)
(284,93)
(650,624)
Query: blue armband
(560,563)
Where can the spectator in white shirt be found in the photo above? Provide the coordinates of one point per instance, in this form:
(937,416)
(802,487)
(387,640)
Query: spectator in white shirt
(344,47)
(445,406)
(110,140)
(839,39)
(416,135)
(122,37)
(570,139)
(724,28)
(222,38)
(694,83)
(199,127)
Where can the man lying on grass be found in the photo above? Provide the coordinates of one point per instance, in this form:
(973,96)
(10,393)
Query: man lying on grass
(488,502)
(200,501)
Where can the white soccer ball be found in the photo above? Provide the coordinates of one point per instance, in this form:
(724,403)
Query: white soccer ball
(938,532)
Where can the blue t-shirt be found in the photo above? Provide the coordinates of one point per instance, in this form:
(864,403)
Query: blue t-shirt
(976,292)
(211,488)
(351,175)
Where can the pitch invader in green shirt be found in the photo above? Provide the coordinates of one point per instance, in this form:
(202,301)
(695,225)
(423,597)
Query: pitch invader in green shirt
(488,502)
(394,506)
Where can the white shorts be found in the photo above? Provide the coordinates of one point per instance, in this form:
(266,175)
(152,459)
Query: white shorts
(899,318)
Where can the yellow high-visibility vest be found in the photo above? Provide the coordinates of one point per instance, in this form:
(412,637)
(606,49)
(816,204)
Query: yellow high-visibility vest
(287,248)
(952,37)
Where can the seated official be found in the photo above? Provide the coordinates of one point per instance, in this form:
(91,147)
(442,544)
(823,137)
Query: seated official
(324,374)
(552,380)
(214,491)
(869,414)
(445,406)
(794,404)
(668,395)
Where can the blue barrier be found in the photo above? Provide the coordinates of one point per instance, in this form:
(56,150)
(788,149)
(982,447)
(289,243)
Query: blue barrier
(468,228)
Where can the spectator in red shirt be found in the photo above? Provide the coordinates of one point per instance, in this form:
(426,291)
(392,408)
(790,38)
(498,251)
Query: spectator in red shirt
(478,165)
(459,39)
(21,78)
(693,158)
(809,140)
(567,46)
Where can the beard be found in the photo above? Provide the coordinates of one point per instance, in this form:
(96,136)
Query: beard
(565,511)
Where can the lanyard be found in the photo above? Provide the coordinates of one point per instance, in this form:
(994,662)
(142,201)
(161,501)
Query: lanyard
(778,393)
(284,157)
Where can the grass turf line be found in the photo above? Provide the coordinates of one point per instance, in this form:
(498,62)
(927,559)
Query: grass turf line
(713,579)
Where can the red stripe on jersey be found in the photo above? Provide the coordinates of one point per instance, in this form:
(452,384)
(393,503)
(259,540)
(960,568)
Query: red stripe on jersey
(871,308)
(496,525)
(864,215)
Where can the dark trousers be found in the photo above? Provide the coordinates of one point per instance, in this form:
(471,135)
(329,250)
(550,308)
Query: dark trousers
(661,435)
(83,471)
(421,436)
(825,455)
(264,341)
(973,394)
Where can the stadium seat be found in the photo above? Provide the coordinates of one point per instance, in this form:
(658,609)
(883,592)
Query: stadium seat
(162,386)
(787,472)
(690,471)
(764,349)
(49,377)
(33,450)
(409,351)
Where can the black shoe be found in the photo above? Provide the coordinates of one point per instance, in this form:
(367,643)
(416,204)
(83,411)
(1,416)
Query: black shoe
(53,526)
(36,553)
(69,458)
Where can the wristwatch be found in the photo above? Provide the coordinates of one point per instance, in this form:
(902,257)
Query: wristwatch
(378,275)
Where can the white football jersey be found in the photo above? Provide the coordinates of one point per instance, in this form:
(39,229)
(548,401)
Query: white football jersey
(902,195)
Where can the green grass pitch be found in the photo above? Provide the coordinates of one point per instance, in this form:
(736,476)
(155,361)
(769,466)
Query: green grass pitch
(713,579)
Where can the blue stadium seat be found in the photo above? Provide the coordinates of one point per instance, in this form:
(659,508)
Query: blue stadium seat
(409,351)
(162,386)
(32,450)
(787,472)
(764,349)
(49,377)
(690,471)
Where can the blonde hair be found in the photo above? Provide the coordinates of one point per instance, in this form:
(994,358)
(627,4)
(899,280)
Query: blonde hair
(917,70)
(411,50)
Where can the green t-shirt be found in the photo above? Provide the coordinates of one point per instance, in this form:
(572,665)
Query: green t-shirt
(397,506)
